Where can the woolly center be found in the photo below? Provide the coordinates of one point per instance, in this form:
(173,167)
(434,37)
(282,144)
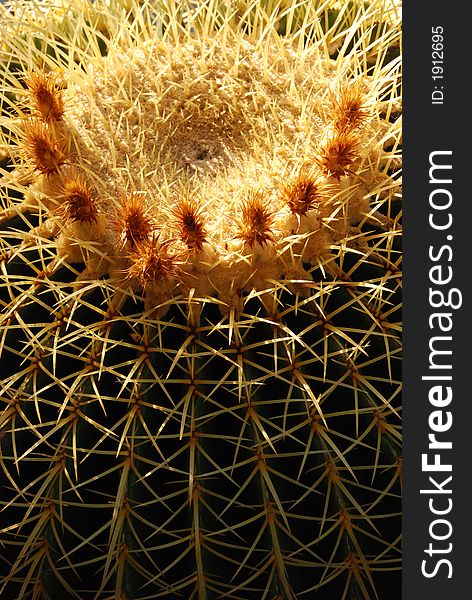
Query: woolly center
(216,120)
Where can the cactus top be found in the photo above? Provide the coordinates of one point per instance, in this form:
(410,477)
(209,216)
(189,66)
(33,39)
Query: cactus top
(212,164)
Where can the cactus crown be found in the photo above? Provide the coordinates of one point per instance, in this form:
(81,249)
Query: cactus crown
(207,116)
(200,305)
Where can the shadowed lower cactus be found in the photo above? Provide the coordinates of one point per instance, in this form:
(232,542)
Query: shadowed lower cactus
(200,298)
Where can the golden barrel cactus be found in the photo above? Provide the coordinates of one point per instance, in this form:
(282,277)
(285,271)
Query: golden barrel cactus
(200,327)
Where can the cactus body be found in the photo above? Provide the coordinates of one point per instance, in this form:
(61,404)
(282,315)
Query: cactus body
(200,334)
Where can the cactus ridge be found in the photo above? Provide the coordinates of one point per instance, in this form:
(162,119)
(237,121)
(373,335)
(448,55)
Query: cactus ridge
(200,334)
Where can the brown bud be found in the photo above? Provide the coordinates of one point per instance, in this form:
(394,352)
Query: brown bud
(134,223)
(336,156)
(151,261)
(76,200)
(304,193)
(188,217)
(43,148)
(46,95)
(255,225)
(350,110)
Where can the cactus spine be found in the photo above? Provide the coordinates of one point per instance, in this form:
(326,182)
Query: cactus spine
(200,300)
